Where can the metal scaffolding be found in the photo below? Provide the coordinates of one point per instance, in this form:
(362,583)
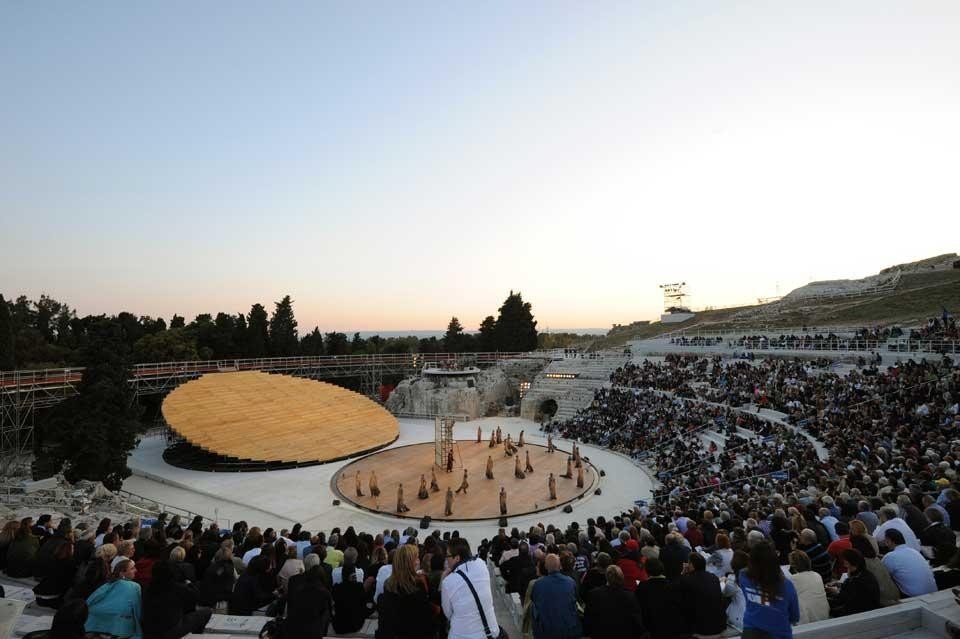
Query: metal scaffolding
(442,439)
(22,393)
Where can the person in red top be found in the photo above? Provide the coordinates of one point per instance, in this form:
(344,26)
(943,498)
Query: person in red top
(693,534)
(836,548)
(631,563)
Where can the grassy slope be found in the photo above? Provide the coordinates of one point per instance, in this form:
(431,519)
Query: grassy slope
(918,297)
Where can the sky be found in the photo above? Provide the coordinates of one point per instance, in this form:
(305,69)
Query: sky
(392,164)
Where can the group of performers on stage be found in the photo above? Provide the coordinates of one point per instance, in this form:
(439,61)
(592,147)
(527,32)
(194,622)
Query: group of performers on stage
(510,450)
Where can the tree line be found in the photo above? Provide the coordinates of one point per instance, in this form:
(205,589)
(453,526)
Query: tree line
(47,333)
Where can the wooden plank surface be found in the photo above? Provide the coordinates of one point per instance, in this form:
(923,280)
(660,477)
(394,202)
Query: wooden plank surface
(406,463)
(262,417)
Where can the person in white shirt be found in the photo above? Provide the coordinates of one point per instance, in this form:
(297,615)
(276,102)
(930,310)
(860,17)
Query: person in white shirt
(907,567)
(349,559)
(890,520)
(829,522)
(718,563)
(456,599)
(250,554)
(382,575)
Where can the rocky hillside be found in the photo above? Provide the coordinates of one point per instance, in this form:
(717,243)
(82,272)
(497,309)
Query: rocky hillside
(920,290)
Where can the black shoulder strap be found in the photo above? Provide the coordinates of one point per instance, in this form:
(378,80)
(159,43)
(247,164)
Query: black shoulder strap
(476,598)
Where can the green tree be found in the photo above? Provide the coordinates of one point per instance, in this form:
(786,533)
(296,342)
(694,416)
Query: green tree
(398,345)
(312,343)
(7,358)
(516,330)
(240,336)
(358,345)
(257,338)
(130,327)
(336,344)
(283,329)
(375,345)
(90,435)
(177,321)
(151,325)
(430,345)
(22,314)
(202,329)
(47,309)
(486,339)
(222,336)
(175,345)
(65,337)
(453,339)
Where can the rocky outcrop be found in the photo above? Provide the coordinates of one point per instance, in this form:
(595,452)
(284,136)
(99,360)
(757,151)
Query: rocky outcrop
(492,391)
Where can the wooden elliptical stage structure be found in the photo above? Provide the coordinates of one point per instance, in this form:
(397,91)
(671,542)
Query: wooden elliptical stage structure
(407,465)
(252,420)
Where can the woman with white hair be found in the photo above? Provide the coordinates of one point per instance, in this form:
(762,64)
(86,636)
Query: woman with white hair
(308,601)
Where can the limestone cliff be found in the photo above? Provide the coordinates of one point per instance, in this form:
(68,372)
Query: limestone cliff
(490,392)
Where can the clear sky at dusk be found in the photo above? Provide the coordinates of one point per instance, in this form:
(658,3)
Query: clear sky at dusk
(390,164)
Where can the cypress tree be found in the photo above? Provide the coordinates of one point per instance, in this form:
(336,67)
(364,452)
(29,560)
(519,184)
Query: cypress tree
(7,359)
(516,330)
(283,329)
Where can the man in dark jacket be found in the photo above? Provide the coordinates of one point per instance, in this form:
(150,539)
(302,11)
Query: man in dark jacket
(673,555)
(820,559)
(936,535)
(249,593)
(596,577)
(659,603)
(612,612)
(170,608)
(555,604)
(519,571)
(701,599)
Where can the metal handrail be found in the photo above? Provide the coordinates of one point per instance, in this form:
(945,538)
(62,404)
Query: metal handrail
(148,369)
(702,331)
(51,377)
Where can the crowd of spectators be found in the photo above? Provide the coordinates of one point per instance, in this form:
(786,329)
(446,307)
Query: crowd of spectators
(862,340)
(848,502)
(858,524)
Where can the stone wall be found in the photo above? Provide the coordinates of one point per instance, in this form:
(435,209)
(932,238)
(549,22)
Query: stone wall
(491,392)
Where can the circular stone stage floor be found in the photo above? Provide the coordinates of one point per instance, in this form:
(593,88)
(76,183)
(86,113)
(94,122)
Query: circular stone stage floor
(405,464)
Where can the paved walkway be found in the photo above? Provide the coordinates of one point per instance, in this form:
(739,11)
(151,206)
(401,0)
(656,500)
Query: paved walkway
(284,497)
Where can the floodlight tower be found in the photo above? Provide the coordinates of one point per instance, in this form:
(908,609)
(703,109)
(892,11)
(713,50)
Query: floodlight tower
(673,295)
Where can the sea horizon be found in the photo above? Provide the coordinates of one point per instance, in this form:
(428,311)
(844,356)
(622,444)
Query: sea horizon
(427,333)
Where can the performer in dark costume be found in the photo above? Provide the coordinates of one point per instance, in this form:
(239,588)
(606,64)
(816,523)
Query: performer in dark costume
(463,483)
(359,487)
(550,446)
(493,439)
(580,477)
(552,485)
(422,493)
(450,461)
(517,472)
(503,500)
(499,436)
(448,506)
(374,488)
(479,435)
(434,486)
(520,442)
(569,473)
(401,507)
(529,467)
(489,467)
